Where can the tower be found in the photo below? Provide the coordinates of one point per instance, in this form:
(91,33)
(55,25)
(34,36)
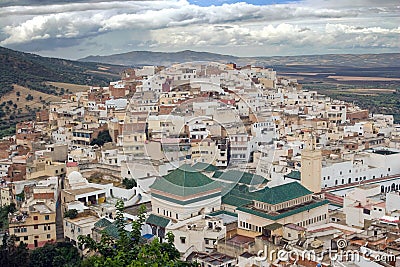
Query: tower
(311,165)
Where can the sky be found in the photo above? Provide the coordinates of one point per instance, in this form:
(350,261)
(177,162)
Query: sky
(79,28)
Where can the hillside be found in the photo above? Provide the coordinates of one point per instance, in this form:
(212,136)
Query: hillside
(43,80)
(139,58)
(32,71)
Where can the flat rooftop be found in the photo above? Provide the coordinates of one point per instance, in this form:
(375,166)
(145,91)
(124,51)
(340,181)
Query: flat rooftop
(42,208)
(84,190)
(84,221)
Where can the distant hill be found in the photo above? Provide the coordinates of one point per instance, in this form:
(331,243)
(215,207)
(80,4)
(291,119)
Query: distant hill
(32,71)
(140,58)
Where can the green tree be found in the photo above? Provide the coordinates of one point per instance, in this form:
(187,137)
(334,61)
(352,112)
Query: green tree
(12,255)
(129,249)
(54,255)
(72,213)
(4,211)
(129,183)
(102,138)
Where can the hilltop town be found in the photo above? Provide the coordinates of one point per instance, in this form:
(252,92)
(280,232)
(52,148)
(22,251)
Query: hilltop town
(232,160)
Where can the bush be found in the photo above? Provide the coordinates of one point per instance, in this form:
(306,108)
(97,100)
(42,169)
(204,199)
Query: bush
(102,138)
(72,213)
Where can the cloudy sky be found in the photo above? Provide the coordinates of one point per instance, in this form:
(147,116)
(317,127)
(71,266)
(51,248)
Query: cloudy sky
(78,28)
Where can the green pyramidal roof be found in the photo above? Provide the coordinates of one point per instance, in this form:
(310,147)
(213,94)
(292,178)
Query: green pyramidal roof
(241,195)
(282,193)
(185,181)
(187,176)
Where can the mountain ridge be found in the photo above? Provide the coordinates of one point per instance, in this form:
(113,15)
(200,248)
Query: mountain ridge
(140,58)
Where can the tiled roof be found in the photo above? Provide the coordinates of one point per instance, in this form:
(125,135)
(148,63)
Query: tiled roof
(235,201)
(284,214)
(185,181)
(296,175)
(112,231)
(200,166)
(281,193)
(240,177)
(103,222)
(216,213)
(157,220)
(241,195)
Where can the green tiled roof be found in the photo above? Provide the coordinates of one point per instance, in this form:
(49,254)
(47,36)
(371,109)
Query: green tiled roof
(296,175)
(188,201)
(112,231)
(284,214)
(281,193)
(241,195)
(200,166)
(185,181)
(103,222)
(240,177)
(157,220)
(235,200)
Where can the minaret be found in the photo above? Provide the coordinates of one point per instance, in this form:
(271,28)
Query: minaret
(311,165)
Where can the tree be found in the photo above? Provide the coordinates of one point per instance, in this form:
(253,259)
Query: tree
(4,211)
(55,254)
(129,249)
(72,213)
(129,183)
(102,138)
(12,255)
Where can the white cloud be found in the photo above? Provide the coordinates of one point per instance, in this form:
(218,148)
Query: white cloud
(180,25)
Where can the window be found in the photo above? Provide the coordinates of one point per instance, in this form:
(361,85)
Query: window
(48,236)
(35,218)
(36,227)
(47,217)
(25,238)
(183,239)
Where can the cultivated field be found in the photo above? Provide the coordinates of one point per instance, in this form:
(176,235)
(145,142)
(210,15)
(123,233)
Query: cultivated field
(357,78)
